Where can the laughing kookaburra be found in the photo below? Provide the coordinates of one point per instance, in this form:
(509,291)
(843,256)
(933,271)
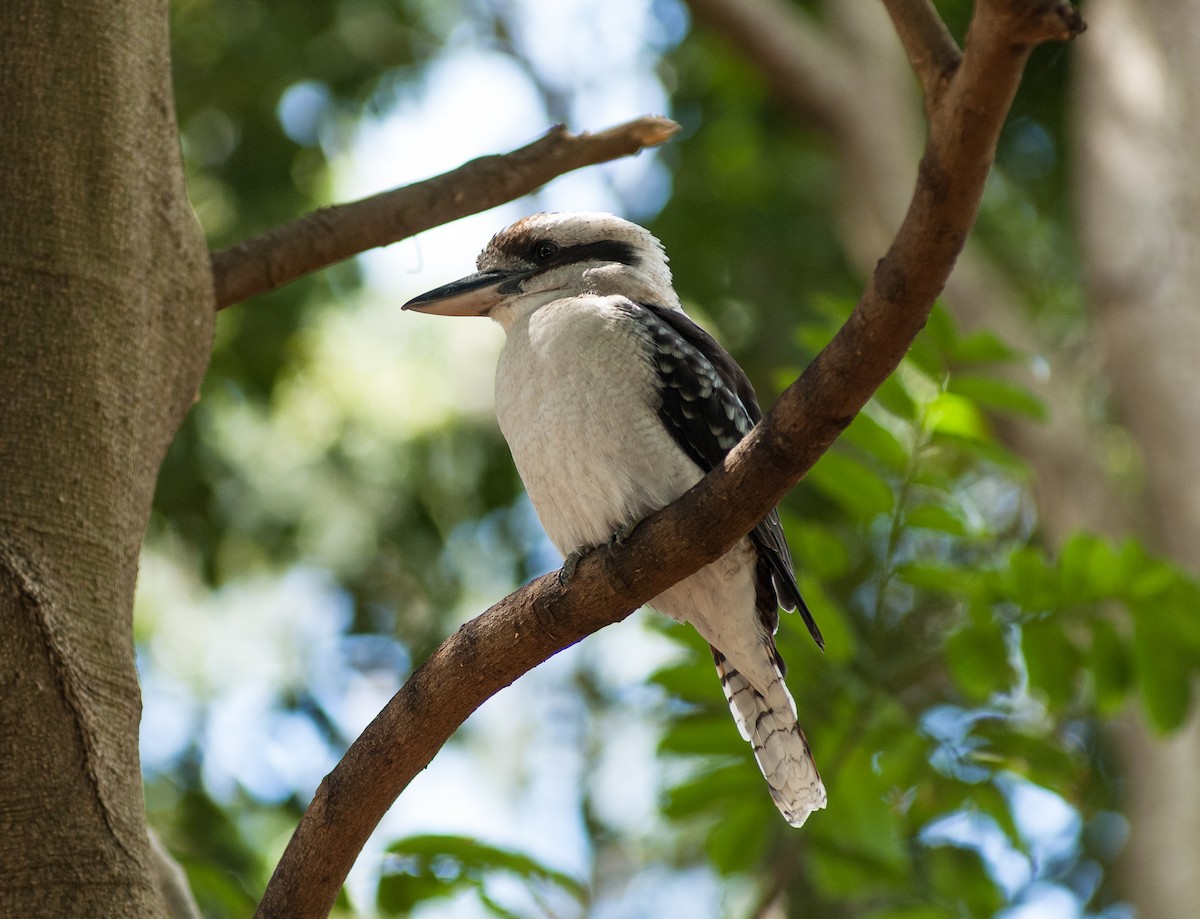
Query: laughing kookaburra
(614,403)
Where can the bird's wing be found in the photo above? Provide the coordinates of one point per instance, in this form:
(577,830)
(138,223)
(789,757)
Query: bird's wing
(708,405)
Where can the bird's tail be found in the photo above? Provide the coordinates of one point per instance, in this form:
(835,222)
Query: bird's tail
(769,723)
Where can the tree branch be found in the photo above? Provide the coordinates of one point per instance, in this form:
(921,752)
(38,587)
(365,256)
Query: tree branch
(544,617)
(332,234)
(927,42)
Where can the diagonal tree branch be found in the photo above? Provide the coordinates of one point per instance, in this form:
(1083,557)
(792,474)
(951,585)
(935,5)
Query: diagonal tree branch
(332,234)
(544,617)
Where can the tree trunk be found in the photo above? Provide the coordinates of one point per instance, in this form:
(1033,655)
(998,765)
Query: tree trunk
(106,305)
(1138,127)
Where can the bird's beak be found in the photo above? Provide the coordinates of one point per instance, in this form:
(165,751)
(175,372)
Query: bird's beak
(474,295)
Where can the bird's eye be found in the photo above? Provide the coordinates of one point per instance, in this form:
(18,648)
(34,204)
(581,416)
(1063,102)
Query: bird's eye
(544,251)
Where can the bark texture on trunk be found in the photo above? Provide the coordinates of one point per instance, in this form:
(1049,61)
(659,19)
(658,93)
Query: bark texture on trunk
(106,307)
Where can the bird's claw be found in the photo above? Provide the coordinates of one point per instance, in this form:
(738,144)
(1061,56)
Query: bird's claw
(623,533)
(570,563)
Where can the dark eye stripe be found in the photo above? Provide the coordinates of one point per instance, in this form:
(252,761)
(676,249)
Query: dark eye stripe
(606,250)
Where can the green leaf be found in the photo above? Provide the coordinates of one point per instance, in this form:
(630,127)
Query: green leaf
(1111,667)
(841,640)
(705,734)
(913,912)
(737,841)
(977,443)
(950,414)
(981,347)
(940,578)
(818,550)
(397,894)
(1163,673)
(440,865)
(877,441)
(959,877)
(691,680)
(709,791)
(999,395)
(1051,659)
(990,800)
(978,659)
(935,517)
(940,328)
(852,485)
(894,398)
(1033,584)
(1087,569)
(863,850)
(926,355)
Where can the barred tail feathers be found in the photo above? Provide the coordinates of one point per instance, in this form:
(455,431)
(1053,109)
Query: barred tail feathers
(769,724)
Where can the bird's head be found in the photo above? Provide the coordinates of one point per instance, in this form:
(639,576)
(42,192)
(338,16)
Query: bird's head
(544,257)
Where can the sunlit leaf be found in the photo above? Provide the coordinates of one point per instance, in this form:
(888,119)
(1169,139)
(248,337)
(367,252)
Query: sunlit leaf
(999,395)
(952,415)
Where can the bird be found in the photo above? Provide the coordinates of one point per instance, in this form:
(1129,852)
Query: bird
(614,403)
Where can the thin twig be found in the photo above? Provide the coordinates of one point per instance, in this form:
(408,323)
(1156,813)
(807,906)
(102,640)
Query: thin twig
(332,234)
(927,42)
(544,617)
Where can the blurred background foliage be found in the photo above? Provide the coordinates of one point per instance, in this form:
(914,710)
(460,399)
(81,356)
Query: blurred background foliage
(340,499)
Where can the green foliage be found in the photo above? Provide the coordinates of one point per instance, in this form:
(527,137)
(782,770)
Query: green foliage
(961,654)
(425,868)
(962,658)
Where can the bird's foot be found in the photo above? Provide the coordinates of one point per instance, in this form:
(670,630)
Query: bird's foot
(623,533)
(570,563)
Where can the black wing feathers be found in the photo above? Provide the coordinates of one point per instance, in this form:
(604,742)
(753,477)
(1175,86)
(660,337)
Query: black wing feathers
(708,405)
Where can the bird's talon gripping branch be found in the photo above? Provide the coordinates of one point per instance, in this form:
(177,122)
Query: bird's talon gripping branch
(570,563)
(623,533)
(614,403)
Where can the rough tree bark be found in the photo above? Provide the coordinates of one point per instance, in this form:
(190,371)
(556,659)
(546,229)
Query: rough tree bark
(105,302)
